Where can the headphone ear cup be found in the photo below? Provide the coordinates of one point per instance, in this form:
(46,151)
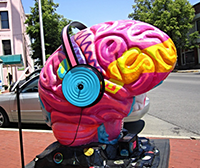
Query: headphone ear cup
(83,86)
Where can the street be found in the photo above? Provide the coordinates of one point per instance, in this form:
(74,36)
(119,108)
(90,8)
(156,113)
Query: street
(174,105)
(176,101)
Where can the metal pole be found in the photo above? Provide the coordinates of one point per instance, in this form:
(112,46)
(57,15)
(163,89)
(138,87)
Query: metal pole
(41,33)
(20,127)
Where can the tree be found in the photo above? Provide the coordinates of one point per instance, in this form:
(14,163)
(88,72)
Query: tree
(53,24)
(174,17)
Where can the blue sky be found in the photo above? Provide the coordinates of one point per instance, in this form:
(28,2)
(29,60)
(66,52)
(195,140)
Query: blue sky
(92,12)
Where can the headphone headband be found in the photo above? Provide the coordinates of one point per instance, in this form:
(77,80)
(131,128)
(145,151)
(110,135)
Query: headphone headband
(67,45)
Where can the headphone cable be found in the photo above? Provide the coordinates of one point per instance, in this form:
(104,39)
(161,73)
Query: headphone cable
(77,128)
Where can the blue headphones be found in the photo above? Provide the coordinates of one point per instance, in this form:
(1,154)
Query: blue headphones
(82,85)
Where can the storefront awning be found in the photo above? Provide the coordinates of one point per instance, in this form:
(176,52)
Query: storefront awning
(14,60)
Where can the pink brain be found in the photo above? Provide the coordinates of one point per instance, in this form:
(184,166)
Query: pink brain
(132,56)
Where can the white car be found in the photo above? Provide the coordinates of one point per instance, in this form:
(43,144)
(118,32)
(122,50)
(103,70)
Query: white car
(31,111)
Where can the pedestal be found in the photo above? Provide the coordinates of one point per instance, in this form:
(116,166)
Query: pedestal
(131,151)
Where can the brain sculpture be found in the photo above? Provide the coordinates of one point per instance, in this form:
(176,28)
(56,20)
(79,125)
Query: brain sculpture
(133,58)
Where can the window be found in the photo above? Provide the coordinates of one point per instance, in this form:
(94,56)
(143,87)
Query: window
(4,20)
(31,86)
(198,26)
(6,47)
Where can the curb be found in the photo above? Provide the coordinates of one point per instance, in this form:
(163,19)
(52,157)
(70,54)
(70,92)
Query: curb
(187,71)
(26,130)
(140,135)
(170,137)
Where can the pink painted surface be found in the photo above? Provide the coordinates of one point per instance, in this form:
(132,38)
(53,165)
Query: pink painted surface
(133,57)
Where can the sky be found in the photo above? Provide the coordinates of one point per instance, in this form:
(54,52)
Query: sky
(91,12)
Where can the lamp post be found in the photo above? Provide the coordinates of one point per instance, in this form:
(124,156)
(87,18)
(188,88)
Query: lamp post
(41,33)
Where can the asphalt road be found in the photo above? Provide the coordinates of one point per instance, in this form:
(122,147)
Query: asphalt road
(177,101)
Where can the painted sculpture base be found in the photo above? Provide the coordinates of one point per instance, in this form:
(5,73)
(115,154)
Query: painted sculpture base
(131,151)
(145,154)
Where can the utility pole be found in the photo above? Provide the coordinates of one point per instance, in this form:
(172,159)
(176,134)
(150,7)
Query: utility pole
(41,33)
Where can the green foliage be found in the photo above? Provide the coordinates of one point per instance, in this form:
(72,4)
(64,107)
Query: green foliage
(53,24)
(174,17)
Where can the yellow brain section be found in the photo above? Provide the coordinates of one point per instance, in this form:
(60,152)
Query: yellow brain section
(158,58)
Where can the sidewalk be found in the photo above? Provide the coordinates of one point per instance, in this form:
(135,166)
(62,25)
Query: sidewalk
(184,153)
(188,71)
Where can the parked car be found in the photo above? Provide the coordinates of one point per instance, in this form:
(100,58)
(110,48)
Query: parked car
(33,74)
(31,111)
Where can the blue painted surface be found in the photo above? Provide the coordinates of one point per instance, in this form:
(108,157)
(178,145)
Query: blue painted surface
(103,136)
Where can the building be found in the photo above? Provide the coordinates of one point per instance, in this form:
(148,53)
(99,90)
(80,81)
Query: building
(197,28)
(191,58)
(15,51)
